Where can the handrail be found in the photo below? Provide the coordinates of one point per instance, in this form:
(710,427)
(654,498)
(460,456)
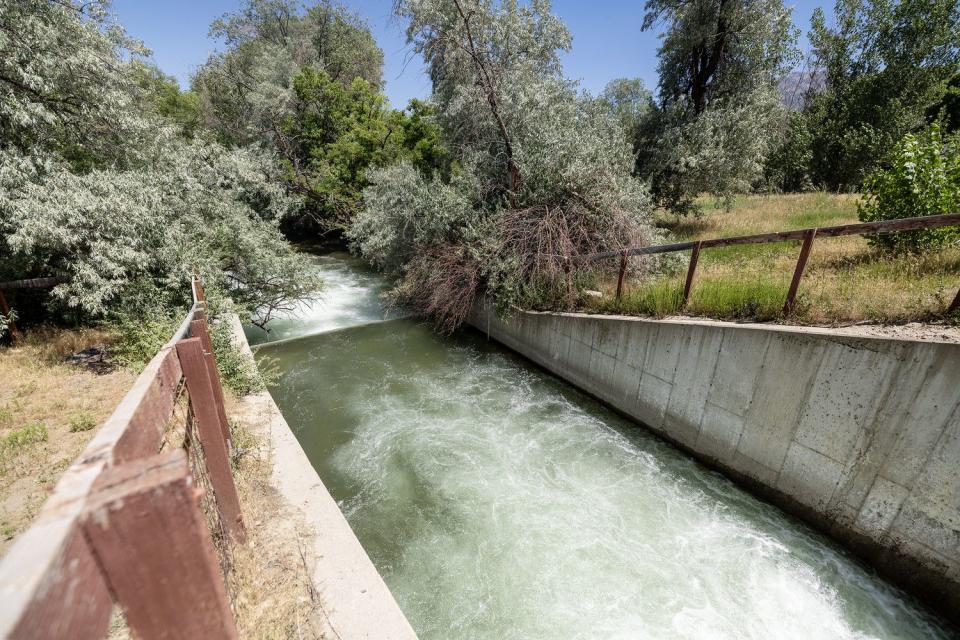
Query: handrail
(63,574)
(807,235)
(863,228)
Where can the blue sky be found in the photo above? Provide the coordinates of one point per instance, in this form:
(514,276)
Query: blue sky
(607,41)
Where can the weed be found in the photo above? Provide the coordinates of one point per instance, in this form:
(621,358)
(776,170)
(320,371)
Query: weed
(18,439)
(82,421)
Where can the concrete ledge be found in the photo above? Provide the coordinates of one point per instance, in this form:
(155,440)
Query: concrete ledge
(355,600)
(858,435)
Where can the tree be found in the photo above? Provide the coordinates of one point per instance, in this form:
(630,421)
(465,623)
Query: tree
(306,82)
(720,64)
(884,64)
(540,173)
(100,188)
(246,90)
(716,50)
(633,105)
(63,86)
(335,134)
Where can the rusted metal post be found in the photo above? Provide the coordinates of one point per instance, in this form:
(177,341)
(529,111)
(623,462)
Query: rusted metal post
(11,324)
(691,270)
(215,455)
(955,305)
(620,276)
(200,329)
(798,272)
(144,524)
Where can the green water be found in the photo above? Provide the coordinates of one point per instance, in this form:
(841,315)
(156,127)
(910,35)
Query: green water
(498,502)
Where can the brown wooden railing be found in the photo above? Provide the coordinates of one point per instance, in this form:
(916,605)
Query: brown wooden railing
(806,235)
(142,518)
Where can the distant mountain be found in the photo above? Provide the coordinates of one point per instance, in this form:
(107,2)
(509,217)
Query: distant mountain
(796,84)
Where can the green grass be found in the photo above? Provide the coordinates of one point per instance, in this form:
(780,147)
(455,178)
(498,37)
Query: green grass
(82,421)
(18,439)
(722,299)
(846,280)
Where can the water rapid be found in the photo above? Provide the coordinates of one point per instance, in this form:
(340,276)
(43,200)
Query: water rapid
(498,502)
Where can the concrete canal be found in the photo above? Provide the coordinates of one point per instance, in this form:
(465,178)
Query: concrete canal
(499,502)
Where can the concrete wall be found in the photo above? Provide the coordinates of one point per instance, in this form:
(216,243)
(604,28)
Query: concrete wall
(860,436)
(356,603)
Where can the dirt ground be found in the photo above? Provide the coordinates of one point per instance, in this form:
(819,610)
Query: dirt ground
(49,410)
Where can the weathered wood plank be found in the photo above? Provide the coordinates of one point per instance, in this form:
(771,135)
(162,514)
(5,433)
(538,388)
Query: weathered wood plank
(72,599)
(41,557)
(215,453)
(691,270)
(32,283)
(621,275)
(199,329)
(865,228)
(145,526)
(798,272)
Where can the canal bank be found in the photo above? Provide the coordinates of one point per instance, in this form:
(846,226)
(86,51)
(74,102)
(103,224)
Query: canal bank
(498,501)
(860,436)
(353,600)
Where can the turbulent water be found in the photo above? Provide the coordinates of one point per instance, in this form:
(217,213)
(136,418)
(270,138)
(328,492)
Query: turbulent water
(500,503)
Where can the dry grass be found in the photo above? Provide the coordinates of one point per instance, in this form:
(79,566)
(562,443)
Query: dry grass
(271,588)
(846,281)
(48,412)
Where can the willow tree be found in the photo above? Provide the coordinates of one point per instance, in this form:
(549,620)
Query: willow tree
(542,171)
(98,190)
(720,65)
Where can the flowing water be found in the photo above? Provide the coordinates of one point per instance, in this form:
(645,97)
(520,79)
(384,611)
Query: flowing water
(500,503)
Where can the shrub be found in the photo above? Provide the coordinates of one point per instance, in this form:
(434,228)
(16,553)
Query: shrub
(921,178)
(81,422)
(16,440)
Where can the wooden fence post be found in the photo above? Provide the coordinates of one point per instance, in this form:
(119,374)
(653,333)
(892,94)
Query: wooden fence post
(200,329)
(215,455)
(798,272)
(620,276)
(694,259)
(144,524)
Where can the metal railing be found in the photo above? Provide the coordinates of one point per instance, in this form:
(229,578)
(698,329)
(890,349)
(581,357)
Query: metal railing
(806,235)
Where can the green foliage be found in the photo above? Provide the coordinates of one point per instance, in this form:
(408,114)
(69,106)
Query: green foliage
(883,68)
(404,210)
(6,321)
(15,441)
(787,168)
(921,178)
(539,172)
(306,83)
(720,65)
(80,422)
(141,332)
(342,132)
(161,94)
(99,188)
(238,372)
(246,90)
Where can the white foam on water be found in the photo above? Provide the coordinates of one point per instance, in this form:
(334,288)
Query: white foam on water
(499,504)
(520,514)
(350,297)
